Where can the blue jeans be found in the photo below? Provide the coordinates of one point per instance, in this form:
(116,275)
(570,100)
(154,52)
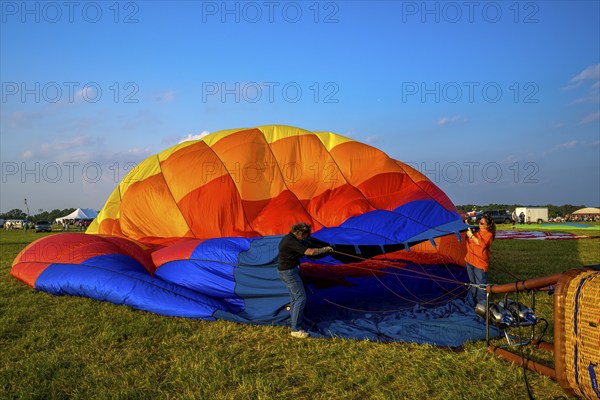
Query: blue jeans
(292,280)
(478,277)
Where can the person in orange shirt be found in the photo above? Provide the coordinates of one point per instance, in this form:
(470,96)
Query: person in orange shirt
(478,255)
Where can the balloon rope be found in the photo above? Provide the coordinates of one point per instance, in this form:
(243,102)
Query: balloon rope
(389,264)
(407,274)
(421,301)
(363,310)
(503,269)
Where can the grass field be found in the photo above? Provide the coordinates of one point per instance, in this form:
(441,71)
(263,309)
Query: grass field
(77,348)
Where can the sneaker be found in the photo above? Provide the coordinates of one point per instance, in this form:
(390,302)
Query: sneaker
(300,334)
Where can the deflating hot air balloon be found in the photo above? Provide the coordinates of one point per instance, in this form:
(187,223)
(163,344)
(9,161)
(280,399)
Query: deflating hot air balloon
(193,231)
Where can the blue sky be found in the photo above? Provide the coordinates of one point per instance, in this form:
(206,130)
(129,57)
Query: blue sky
(496,102)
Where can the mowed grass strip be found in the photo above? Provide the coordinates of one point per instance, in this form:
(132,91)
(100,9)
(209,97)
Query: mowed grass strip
(78,348)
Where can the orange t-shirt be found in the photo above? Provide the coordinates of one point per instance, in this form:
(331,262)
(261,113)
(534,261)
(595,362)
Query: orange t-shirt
(478,255)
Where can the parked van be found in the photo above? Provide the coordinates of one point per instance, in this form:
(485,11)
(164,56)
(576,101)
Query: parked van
(534,215)
(498,216)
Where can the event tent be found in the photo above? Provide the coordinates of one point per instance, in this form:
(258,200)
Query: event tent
(587,211)
(79,214)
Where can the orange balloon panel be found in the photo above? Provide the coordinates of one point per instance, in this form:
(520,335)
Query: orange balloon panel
(251,164)
(192,167)
(259,181)
(148,209)
(215,210)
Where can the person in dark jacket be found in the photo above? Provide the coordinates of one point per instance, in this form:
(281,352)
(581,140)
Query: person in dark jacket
(291,248)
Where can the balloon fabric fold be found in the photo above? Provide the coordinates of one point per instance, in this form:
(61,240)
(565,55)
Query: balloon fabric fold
(193,231)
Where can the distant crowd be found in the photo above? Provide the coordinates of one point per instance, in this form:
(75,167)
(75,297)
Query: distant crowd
(77,225)
(583,218)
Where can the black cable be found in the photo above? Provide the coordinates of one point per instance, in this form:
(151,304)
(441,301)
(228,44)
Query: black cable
(524,361)
(545,329)
(525,377)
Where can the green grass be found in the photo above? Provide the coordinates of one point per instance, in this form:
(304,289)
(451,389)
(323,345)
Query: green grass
(78,348)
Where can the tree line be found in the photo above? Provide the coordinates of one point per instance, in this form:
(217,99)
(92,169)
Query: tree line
(41,216)
(553,211)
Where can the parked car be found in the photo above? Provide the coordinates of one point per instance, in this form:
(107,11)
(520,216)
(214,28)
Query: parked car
(43,226)
(498,216)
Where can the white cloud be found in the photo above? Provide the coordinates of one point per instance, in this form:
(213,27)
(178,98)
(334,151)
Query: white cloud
(87,93)
(373,140)
(509,159)
(194,137)
(79,149)
(589,76)
(166,97)
(591,73)
(567,145)
(590,98)
(25,120)
(457,119)
(67,143)
(595,116)
(137,151)
(142,119)
(571,87)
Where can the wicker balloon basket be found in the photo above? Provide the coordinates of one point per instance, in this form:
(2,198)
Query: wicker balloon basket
(577,333)
(576,344)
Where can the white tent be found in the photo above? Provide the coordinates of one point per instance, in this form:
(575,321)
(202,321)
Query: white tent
(80,213)
(588,211)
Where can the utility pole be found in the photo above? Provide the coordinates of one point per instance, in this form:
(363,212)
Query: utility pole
(26,205)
